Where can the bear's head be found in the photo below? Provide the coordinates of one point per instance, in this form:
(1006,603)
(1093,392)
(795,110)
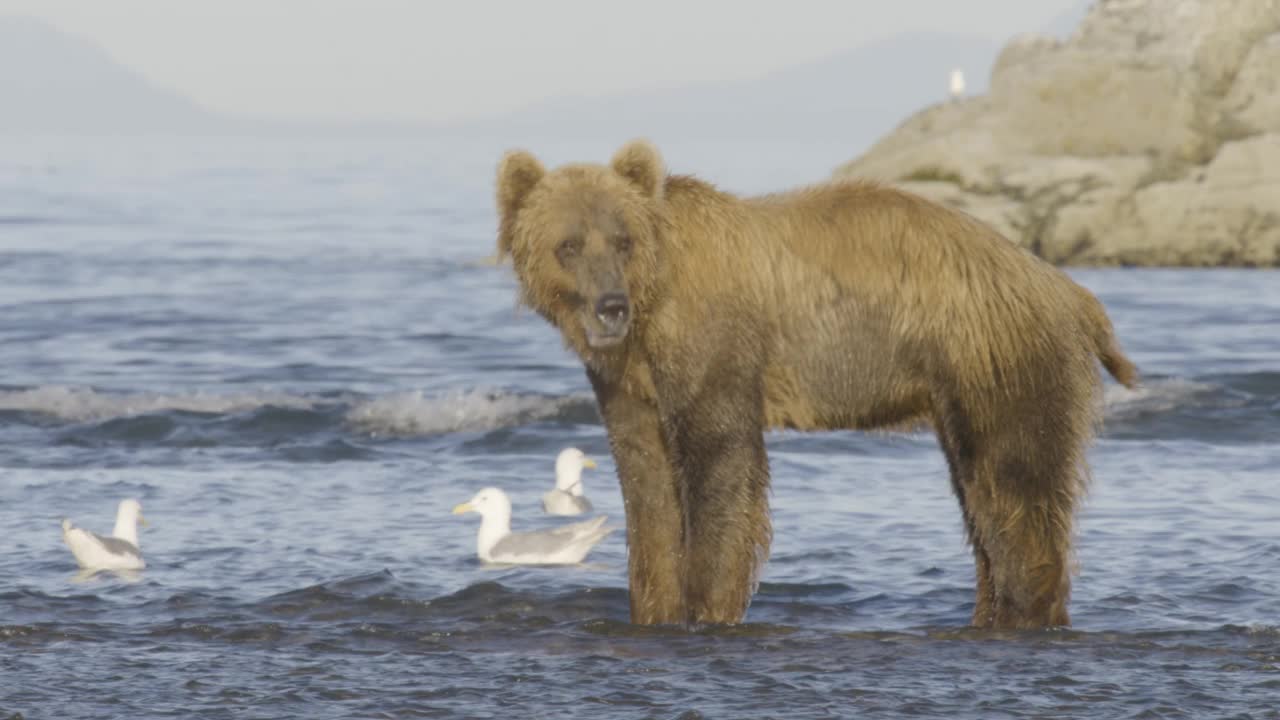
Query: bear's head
(585,240)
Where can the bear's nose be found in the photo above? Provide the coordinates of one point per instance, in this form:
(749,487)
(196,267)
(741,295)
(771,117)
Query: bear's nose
(612,309)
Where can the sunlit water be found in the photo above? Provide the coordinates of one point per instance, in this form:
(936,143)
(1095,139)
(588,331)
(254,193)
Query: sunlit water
(292,354)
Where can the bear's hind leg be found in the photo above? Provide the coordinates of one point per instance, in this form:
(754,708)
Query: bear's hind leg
(956,438)
(1023,503)
(984,606)
(1030,576)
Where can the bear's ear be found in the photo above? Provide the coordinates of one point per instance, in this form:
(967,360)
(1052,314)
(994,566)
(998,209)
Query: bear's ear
(639,162)
(517,174)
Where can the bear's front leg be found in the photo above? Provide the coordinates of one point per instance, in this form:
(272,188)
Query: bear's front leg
(723,472)
(655,518)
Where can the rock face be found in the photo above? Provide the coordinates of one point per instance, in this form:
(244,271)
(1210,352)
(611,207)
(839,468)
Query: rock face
(1150,137)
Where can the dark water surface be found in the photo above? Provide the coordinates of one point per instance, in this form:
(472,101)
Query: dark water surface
(291,353)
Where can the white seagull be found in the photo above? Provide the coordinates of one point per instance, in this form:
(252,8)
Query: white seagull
(566,497)
(495,543)
(956,86)
(117,552)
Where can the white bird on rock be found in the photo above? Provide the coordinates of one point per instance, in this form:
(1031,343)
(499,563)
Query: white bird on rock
(956,86)
(495,543)
(117,552)
(566,497)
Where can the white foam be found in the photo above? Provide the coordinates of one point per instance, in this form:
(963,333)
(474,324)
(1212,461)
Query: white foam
(412,413)
(79,404)
(403,413)
(1155,396)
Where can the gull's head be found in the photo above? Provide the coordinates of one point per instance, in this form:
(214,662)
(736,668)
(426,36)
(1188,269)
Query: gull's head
(489,502)
(569,465)
(131,511)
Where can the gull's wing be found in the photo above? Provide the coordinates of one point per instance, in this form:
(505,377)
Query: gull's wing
(531,544)
(579,528)
(115,545)
(543,543)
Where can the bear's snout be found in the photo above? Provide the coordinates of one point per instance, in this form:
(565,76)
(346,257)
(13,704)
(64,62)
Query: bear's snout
(613,310)
(609,325)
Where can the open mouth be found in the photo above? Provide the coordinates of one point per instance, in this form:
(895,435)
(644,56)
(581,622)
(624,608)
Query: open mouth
(607,322)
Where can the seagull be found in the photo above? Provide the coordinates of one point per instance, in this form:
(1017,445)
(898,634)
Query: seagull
(495,543)
(117,552)
(957,83)
(566,497)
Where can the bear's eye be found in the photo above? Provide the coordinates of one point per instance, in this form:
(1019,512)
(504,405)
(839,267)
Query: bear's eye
(623,243)
(569,248)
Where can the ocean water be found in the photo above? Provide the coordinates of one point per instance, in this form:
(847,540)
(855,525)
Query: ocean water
(293,354)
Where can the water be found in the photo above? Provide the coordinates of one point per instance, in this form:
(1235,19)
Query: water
(292,354)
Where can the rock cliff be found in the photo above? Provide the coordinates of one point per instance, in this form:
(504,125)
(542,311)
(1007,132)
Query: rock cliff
(1150,136)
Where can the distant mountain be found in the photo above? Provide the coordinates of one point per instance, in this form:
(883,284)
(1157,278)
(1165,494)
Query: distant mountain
(54,82)
(859,95)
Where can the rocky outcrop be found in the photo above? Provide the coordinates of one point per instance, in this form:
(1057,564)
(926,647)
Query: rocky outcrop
(1150,137)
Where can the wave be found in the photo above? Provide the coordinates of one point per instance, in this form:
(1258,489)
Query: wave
(1229,408)
(413,413)
(383,646)
(523,599)
(1156,395)
(358,602)
(302,426)
(79,404)
(1233,408)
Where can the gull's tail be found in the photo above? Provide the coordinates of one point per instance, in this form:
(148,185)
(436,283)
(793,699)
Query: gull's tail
(582,529)
(596,534)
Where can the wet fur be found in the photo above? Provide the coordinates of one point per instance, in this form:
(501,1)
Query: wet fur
(847,305)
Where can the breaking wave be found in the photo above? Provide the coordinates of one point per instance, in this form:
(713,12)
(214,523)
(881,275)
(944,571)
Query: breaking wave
(413,413)
(79,404)
(1229,408)
(85,416)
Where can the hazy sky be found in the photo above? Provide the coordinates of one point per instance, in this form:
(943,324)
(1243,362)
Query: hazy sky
(425,60)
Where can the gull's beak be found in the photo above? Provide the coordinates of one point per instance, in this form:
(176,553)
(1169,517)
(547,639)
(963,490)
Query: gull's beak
(463,508)
(141,520)
(588,463)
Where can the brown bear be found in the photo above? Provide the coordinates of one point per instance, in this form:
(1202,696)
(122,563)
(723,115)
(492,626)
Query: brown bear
(704,318)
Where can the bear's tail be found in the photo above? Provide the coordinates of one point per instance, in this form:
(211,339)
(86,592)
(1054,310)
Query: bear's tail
(1105,346)
(1120,367)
